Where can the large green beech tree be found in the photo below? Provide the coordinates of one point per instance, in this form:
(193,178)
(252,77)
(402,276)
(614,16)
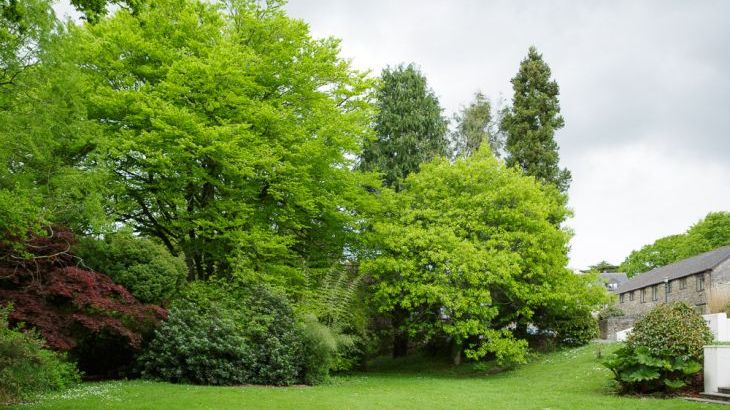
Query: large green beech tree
(230,133)
(47,175)
(468,251)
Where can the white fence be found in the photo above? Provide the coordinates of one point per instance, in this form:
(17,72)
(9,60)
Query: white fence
(717,363)
(719,325)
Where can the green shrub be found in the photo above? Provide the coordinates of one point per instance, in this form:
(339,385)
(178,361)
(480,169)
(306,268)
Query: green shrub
(576,331)
(320,347)
(227,334)
(144,267)
(609,312)
(638,371)
(26,367)
(671,329)
(663,352)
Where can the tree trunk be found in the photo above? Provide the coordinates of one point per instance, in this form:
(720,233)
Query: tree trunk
(456,348)
(400,335)
(400,344)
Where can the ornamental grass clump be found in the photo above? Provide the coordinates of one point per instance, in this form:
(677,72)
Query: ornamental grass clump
(663,352)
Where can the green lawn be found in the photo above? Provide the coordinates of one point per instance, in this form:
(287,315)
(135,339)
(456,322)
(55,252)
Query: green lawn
(572,379)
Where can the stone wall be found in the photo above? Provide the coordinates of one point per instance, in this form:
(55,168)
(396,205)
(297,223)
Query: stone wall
(609,327)
(719,291)
(689,295)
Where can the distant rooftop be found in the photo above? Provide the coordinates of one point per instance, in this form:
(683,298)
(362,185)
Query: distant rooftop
(685,267)
(614,277)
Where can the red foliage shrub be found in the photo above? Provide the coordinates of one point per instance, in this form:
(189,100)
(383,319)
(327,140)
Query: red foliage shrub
(66,303)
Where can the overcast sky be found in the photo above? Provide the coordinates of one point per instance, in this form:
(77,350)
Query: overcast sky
(645,92)
(644,89)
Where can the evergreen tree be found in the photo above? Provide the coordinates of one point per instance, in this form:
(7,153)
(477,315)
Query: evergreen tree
(531,122)
(410,128)
(473,127)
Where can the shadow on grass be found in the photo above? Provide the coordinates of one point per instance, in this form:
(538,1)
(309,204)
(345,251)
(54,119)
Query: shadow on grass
(423,365)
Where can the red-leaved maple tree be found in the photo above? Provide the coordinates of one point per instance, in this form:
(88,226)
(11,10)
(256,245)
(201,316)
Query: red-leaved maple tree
(66,303)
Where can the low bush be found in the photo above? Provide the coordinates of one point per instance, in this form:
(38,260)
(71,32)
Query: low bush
(663,352)
(576,331)
(674,329)
(26,367)
(639,371)
(320,347)
(609,312)
(225,334)
(144,267)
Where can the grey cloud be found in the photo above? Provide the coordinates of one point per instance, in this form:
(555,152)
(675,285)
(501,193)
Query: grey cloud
(645,78)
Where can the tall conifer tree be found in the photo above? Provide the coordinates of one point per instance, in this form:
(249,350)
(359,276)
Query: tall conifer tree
(530,123)
(410,127)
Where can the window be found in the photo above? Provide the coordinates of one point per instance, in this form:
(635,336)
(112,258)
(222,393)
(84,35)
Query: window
(655,293)
(669,287)
(700,282)
(631,296)
(643,295)
(622,297)
(683,283)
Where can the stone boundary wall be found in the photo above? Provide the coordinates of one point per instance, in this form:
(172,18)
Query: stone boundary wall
(609,327)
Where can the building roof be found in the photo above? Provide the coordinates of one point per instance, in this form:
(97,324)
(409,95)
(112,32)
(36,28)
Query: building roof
(614,277)
(685,267)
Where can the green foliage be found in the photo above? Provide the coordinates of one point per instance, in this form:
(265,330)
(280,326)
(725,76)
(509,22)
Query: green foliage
(144,267)
(24,28)
(410,128)
(712,232)
(638,370)
(663,352)
(337,301)
(469,249)
(474,126)
(530,123)
(226,334)
(604,266)
(609,312)
(709,233)
(27,368)
(577,330)
(320,346)
(566,317)
(230,134)
(662,252)
(44,142)
(675,329)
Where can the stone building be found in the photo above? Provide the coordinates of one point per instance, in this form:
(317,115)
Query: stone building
(702,281)
(613,280)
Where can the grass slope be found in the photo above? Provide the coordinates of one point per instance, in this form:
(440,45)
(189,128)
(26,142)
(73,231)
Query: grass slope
(573,379)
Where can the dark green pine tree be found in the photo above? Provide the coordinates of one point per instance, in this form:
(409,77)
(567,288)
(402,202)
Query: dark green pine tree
(530,123)
(409,127)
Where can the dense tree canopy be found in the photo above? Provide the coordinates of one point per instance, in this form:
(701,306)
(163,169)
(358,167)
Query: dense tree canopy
(711,232)
(469,250)
(410,128)
(229,133)
(530,123)
(189,141)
